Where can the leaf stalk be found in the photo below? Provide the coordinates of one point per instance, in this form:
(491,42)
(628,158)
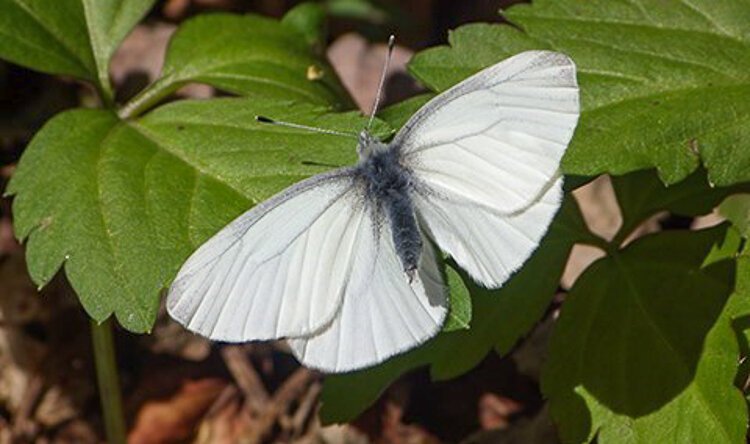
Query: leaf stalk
(108,381)
(149,97)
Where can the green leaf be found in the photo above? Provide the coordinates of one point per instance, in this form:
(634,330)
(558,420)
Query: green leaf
(397,115)
(739,309)
(357,9)
(664,83)
(728,248)
(122,204)
(472,48)
(72,37)
(499,319)
(108,23)
(643,351)
(243,55)
(307,19)
(641,194)
(737,210)
(459,316)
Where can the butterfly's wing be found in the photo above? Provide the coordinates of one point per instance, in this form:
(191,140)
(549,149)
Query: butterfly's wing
(489,246)
(496,139)
(382,315)
(485,156)
(278,270)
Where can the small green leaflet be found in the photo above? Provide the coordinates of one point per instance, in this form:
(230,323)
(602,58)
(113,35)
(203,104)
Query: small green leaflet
(245,55)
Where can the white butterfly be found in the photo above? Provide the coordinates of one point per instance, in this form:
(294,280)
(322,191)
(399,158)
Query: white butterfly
(342,264)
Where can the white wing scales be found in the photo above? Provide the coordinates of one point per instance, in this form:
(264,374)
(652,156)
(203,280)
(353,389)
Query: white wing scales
(496,139)
(490,247)
(383,315)
(260,277)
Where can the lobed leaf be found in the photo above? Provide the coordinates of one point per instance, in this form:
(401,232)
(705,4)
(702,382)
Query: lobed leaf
(664,83)
(122,203)
(644,350)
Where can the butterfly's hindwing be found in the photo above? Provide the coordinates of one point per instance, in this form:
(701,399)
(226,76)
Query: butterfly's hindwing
(490,247)
(384,311)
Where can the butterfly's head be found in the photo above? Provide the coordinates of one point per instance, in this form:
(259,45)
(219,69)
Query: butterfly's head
(368,145)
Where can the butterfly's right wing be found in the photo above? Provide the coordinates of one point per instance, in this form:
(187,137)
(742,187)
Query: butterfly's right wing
(279,269)
(489,246)
(496,138)
(485,157)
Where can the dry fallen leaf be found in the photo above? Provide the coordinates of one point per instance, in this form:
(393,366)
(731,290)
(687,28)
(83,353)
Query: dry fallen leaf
(176,418)
(227,421)
(495,411)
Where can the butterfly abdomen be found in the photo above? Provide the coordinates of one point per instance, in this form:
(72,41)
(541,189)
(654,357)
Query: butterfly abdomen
(406,236)
(388,185)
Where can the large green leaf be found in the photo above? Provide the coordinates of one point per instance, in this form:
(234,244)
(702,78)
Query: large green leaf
(122,204)
(73,37)
(244,55)
(499,319)
(642,352)
(664,83)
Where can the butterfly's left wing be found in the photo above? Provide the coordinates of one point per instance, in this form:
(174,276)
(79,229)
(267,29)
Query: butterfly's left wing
(383,315)
(278,270)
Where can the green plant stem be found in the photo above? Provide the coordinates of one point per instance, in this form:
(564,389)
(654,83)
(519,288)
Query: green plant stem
(106,94)
(109,382)
(149,97)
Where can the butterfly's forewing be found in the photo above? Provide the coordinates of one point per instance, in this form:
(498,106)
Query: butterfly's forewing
(485,156)
(385,312)
(496,139)
(278,270)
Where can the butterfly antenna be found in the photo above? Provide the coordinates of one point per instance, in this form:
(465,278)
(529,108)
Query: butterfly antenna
(379,94)
(263,119)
